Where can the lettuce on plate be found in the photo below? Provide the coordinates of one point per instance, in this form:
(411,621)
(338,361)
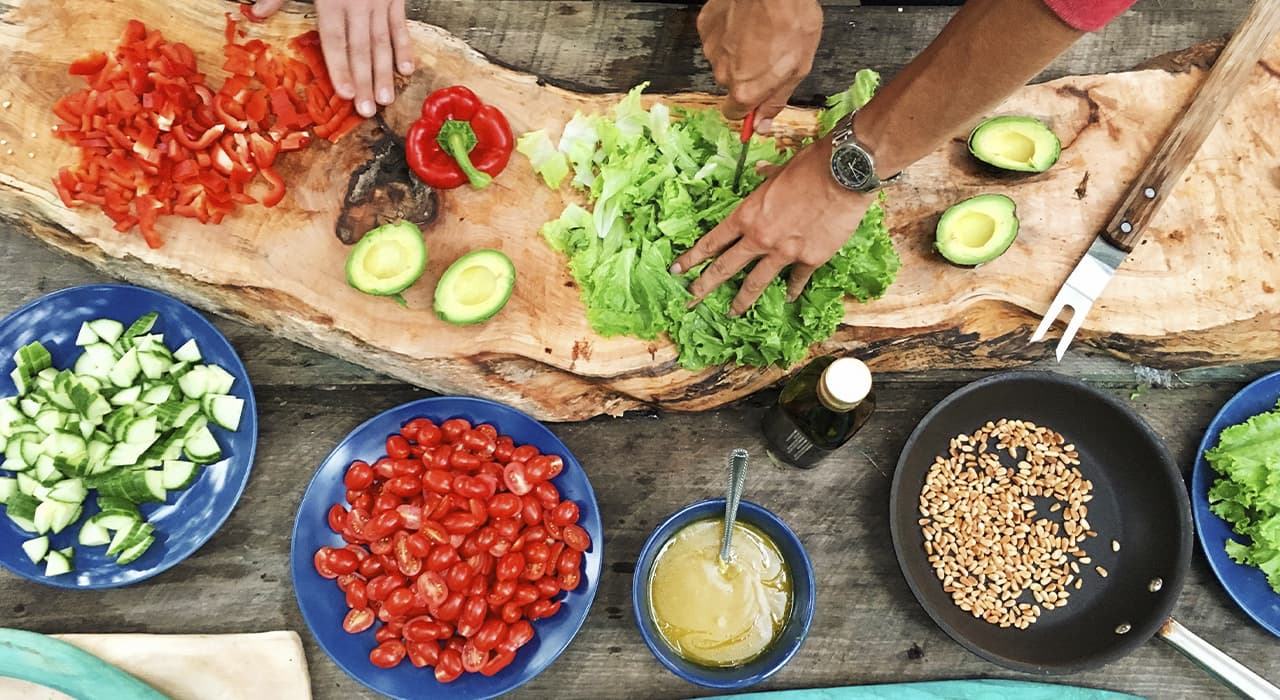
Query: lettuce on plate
(656,180)
(1247,491)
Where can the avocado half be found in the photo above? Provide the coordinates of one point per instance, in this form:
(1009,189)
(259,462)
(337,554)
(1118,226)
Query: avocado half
(387,259)
(977,230)
(475,287)
(1023,144)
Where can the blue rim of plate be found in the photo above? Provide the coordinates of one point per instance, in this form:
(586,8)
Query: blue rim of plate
(216,498)
(324,606)
(1246,585)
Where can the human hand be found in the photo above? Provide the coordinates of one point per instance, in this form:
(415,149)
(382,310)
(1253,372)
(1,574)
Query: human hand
(759,50)
(364,42)
(799,217)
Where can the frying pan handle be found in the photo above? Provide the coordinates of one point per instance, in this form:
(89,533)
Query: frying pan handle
(1227,670)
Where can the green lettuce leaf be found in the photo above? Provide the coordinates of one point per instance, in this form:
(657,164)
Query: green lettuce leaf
(1246,493)
(864,86)
(550,164)
(657,180)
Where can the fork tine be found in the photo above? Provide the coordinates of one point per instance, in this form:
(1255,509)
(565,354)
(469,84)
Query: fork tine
(1055,308)
(1078,312)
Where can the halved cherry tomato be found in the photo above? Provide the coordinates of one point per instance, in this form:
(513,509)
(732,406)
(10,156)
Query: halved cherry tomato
(472,658)
(499,661)
(524,453)
(450,608)
(357,620)
(492,633)
(388,654)
(337,517)
(321,563)
(359,476)
(577,538)
(548,586)
(356,597)
(454,428)
(423,654)
(383,524)
(500,593)
(515,478)
(569,580)
(379,587)
(399,602)
(397,447)
(449,666)
(565,514)
(438,480)
(459,576)
(342,561)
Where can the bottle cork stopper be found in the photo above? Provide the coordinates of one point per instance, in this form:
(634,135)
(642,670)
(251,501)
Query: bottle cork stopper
(844,384)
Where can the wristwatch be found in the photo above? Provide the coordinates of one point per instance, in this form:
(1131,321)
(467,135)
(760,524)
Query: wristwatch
(851,163)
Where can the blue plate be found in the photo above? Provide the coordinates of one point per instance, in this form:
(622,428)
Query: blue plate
(324,605)
(1245,584)
(190,517)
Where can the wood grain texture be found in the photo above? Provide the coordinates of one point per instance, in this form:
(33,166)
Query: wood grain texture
(282,269)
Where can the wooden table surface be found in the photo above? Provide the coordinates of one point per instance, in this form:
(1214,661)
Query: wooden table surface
(868,626)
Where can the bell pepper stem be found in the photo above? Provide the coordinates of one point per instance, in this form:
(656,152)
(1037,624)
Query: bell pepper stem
(457,138)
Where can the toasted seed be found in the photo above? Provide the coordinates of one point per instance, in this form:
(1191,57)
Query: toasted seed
(1115,546)
(1101,571)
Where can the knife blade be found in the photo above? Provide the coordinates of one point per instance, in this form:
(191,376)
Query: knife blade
(748,125)
(1162,171)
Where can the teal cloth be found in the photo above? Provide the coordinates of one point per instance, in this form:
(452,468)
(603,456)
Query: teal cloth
(985,689)
(65,667)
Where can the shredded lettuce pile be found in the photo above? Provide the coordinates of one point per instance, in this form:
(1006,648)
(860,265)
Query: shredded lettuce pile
(1247,492)
(655,185)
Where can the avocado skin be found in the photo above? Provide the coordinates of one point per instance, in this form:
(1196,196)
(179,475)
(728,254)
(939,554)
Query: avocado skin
(1006,217)
(1048,148)
(496,261)
(409,235)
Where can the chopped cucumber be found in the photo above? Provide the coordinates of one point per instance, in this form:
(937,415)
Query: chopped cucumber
(93,534)
(127,421)
(86,335)
(189,352)
(36,548)
(57,563)
(108,330)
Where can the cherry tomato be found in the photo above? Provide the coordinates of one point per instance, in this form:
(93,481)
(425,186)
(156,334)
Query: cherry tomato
(480,444)
(503,448)
(438,480)
(458,576)
(321,562)
(519,634)
(370,567)
(507,528)
(397,447)
(470,487)
(524,595)
(487,430)
(537,469)
(434,532)
(538,552)
(388,654)
(440,456)
(524,453)
(386,501)
(406,467)
(359,476)
(449,666)
(542,608)
(472,616)
(379,587)
(492,633)
(384,633)
(510,566)
(418,545)
(356,597)
(554,531)
(410,516)
(399,602)
(363,501)
(432,587)
(383,524)
(499,661)
(460,523)
(384,468)
(569,560)
(547,493)
(569,580)
(342,561)
(337,517)
(481,563)
(500,593)
(454,428)
(490,475)
(515,478)
(422,654)
(472,658)
(548,587)
(442,557)
(565,514)
(450,608)
(577,538)
(530,509)
(409,564)
(403,486)
(381,547)
(465,461)
(357,620)
(556,466)
(430,436)
(511,613)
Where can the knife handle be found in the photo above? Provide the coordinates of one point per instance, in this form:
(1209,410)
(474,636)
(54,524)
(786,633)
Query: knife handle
(1180,144)
(748,127)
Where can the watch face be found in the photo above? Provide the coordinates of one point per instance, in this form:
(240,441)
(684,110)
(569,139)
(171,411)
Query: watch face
(852,168)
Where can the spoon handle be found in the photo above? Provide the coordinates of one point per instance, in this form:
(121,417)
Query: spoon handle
(737,476)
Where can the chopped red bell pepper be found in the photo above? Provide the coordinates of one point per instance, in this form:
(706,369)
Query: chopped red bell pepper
(88,65)
(458,139)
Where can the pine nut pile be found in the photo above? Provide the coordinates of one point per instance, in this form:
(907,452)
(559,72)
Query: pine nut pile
(999,559)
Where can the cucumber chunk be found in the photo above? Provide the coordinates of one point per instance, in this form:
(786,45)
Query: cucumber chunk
(36,548)
(224,410)
(179,474)
(108,330)
(189,352)
(93,534)
(57,563)
(86,335)
(201,447)
(136,550)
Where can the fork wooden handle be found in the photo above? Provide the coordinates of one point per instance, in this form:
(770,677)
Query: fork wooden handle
(1180,144)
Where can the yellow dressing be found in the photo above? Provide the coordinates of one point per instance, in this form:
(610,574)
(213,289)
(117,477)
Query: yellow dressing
(717,614)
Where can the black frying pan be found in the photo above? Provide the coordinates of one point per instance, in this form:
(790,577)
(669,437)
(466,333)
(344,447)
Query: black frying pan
(1139,500)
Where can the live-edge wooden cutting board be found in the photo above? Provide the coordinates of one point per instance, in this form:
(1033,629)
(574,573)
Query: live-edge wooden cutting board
(1201,290)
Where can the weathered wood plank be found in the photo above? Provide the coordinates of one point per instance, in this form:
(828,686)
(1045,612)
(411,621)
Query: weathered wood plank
(606,46)
(866,621)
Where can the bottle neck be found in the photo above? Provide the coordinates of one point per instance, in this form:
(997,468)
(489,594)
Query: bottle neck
(831,402)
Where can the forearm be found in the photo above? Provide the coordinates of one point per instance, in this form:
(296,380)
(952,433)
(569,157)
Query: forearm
(988,50)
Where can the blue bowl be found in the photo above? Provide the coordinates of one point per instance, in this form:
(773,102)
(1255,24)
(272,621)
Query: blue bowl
(189,517)
(793,633)
(324,606)
(1247,585)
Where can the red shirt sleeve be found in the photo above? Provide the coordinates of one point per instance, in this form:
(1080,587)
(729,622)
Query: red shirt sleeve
(1088,15)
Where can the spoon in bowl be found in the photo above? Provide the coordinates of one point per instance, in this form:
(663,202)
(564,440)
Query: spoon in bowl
(737,477)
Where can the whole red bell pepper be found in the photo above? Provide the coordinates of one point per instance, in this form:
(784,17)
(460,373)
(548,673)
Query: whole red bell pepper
(458,139)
